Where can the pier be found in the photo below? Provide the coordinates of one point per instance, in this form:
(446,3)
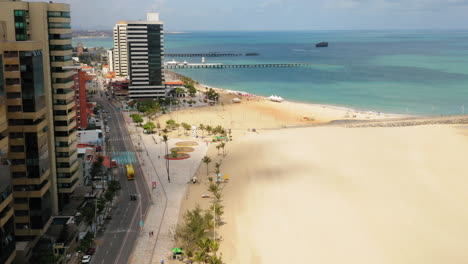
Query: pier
(227,66)
(211,54)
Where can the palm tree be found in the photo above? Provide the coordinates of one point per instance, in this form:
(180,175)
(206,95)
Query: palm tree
(165,139)
(208,129)
(222,145)
(207,161)
(217,165)
(202,128)
(218,147)
(215,260)
(200,257)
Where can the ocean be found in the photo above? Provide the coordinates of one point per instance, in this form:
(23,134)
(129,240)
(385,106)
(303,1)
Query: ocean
(405,72)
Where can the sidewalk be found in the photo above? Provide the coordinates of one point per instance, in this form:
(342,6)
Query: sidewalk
(167,197)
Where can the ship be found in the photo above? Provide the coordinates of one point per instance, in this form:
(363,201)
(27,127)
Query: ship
(252,54)
(321,44)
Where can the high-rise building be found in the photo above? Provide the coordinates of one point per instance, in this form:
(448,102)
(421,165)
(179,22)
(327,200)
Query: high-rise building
(143,44)
(110,59)
(120,55)
(41,111)
(7,225)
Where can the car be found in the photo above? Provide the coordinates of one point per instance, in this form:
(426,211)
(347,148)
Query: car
(90,251)
(86,259)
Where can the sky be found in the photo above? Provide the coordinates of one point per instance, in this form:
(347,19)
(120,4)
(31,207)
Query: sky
(224,15)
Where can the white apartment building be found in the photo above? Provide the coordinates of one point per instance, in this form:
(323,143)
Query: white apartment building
(120,55)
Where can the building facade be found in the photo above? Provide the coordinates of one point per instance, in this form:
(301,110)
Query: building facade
(7,225)
(143,42)
(120,54)
(41,111)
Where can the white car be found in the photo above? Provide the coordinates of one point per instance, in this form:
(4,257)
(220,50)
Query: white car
(86,259)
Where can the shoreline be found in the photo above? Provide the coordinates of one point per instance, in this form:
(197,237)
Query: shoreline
(384,115)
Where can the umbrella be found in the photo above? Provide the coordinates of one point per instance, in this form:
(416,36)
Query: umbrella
(177,250)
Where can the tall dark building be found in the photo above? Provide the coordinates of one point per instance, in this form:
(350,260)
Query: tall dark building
(143,44)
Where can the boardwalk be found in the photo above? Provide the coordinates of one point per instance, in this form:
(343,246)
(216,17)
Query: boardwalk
(224,66)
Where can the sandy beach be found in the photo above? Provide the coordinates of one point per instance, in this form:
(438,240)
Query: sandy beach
(332,194)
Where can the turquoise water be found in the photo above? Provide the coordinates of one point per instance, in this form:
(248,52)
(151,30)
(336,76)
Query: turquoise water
(408,72)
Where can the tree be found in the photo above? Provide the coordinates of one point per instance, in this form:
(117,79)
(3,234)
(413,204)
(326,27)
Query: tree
(137,119)
(218,147)
(209,129)
(149,126)
(207,161)
(186,127)
(222,145)
(171,123)
(202,128)
(217,165)
(96,168)
(165,139)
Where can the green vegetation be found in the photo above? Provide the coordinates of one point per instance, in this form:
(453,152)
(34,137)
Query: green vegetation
(86,242)
(97,168)
(197,232)
(212,95)
(137,119)
(149,126)
(206,160)
(149,107)
(186,127)
(43,252)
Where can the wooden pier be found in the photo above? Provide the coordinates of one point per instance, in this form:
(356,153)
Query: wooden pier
(211,54)
(228,66)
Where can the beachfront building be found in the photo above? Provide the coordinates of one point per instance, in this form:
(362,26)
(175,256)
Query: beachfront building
(144,46)
(7,225)
(110,60)
(41,113)
(119,52)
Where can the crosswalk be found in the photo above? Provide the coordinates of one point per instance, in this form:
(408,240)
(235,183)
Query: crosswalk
(124,157)
(118,139)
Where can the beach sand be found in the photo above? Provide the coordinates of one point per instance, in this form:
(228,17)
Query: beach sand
(331,194)
(340,195)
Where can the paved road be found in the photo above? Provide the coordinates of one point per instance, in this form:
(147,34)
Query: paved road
(115,245)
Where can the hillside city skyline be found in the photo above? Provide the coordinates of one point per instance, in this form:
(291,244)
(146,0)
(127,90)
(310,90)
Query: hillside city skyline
(183,15)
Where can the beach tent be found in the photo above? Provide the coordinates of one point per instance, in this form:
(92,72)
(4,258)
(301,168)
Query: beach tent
(236,100)
(177,250)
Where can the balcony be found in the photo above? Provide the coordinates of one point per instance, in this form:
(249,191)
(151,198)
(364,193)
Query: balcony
(29,232)
(32,193)
(70,189)
(27,181)
(66,128)
(39,126)
(69,116)
(59,19)
(6,216)
(22,219)
(22,206)
(60,30)
(3,142)
(72,136)
(66,85)
(67,106)
(75,176)
(71,146)
(13,88)
(6,202)
(16,155)
(61,52)
(62,74)
(15,101)
(73,168)
(70,159)
(61,63)
(11,60)
(12,74)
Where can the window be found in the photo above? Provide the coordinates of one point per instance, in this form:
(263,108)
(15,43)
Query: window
(58,14)
(59,25)
(20,25)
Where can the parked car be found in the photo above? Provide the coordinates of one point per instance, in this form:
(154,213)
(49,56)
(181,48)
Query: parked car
(86,259)
(91,251)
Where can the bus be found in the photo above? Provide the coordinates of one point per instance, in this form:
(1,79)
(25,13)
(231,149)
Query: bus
(130,172)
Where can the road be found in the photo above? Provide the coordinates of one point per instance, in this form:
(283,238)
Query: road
(116,244)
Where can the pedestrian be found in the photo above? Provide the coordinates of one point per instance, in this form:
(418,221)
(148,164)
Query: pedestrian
(149,234)
(162,261)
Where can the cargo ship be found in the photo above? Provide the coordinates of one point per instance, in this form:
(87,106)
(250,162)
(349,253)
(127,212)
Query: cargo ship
(321,44)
